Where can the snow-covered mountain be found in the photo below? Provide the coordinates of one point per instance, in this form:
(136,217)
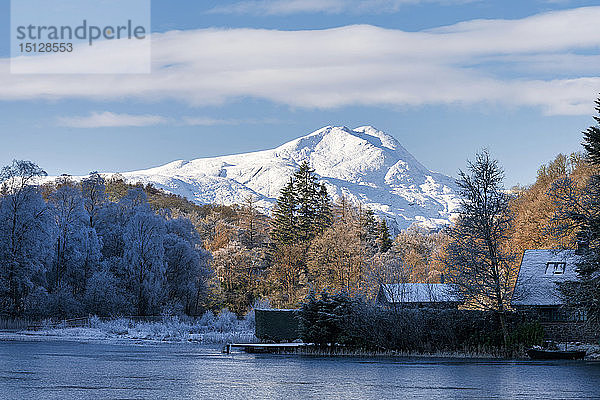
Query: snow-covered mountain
(363,164)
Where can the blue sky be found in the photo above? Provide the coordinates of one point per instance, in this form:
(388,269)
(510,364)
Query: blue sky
(444,77)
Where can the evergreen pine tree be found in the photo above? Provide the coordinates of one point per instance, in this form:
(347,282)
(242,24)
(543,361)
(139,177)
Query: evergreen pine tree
(324,211)
(306,190)
(284,230)
(384,240)
(303,209)
(369,230)
(591,138)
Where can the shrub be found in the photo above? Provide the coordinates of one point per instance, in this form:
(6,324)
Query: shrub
(226,321)
(527,334)
(323,319)
(357,323)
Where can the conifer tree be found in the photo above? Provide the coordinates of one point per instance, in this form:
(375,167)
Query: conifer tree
(384,240)
(302,211)
(324,211)
(284,230)
(306,191)
(370,230)
(591,141)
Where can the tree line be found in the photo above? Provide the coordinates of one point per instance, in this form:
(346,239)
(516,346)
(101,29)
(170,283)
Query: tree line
(106,247)
(67,250)
(561,210)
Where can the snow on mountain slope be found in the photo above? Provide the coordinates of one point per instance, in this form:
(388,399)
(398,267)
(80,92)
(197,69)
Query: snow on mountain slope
(365,165)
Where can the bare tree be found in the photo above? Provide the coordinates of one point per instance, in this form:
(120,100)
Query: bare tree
(391,274)
(25,240)
(93,190)
(481,268)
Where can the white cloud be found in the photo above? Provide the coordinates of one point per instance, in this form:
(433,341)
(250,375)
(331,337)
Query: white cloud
(110,120)
(288,7)
(208,121)
(543,61)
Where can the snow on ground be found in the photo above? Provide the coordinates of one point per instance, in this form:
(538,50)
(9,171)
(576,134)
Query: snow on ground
(592,350)
(210,329)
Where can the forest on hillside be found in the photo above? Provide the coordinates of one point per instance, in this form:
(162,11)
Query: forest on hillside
(104,247)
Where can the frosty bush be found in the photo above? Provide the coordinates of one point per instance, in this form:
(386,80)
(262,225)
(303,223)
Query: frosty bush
(207,319)
(223,328)
(61,303)
(225,321)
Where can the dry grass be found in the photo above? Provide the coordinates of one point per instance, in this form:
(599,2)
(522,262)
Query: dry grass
(17,324)
(338,351)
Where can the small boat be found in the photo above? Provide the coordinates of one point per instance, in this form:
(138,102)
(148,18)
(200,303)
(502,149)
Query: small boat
(541,354)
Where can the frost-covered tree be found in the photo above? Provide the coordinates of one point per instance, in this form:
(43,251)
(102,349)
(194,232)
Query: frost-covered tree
(323,319)
(76,249)
(187,265)
(104,295)
(238,269)
(25,235)
(144,255)
(110,223)
(93,190)
(19,176)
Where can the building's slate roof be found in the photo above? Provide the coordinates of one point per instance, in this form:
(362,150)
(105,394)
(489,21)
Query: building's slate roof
(417,293)
(535,285)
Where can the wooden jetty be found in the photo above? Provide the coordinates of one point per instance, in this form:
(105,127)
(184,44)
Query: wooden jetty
(264,347)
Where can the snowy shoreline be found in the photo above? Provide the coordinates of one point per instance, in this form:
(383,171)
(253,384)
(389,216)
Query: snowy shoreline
(140,337)
(89,335)
(210,329)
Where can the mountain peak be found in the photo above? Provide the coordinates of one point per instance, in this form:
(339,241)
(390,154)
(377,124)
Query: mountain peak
(364,164)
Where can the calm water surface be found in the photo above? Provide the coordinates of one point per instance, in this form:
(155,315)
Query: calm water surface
(72,370)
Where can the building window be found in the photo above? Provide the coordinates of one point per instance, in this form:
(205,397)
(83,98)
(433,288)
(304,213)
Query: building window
(555,268)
